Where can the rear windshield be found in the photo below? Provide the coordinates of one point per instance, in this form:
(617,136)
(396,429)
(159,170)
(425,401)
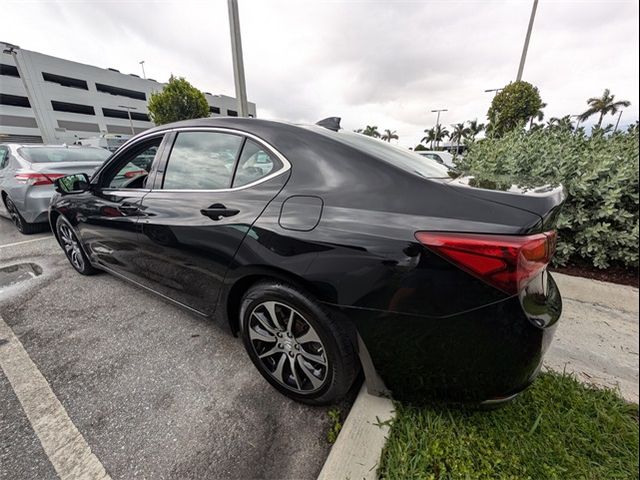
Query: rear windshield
(398,156)
(63,154)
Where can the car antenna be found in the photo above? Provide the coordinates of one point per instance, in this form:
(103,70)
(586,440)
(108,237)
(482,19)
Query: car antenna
(330,123)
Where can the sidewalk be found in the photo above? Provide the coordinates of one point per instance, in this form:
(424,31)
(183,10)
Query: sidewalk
(597,337)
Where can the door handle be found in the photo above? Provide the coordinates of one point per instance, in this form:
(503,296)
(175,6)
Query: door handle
(218,211)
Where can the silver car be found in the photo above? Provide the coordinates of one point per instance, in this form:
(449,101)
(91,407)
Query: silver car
(27,173)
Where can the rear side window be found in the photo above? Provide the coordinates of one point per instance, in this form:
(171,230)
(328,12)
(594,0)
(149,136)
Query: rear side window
(202,161)
(4,157)
(63,154)
(398,156)
(255,163)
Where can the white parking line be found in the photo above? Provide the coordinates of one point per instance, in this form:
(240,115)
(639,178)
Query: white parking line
(25,241)
(66,448)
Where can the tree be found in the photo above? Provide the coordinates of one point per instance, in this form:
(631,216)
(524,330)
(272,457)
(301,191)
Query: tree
(419,148)
(603,105)
(429,138)
(388,135)
(178,100)
(539,115)
(439,134)
(514,105)
(371,131)
(459,132)
(474,129)
(563,123)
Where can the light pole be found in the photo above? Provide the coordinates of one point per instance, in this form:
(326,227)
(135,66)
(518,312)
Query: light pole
(438,122)
(526,40)
(144,75)
(618,121)
(494,90)
(129,115)
(238,62)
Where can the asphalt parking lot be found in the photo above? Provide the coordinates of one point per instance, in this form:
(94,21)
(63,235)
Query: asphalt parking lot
(155,391)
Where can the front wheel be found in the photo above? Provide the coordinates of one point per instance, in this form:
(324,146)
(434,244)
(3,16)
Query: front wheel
(72,248)
(296,346)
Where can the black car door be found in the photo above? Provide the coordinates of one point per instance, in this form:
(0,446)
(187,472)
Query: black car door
(107,214)
(206,196)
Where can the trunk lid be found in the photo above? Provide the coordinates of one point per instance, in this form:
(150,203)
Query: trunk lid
(66,168)
(544,201)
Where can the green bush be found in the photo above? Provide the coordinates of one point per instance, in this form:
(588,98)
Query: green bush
(599,222)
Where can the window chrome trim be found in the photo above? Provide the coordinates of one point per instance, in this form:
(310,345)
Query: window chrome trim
(286,165)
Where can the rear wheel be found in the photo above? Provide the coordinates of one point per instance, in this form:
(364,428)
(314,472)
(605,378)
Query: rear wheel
(296,345)
(72,248)
(18,220)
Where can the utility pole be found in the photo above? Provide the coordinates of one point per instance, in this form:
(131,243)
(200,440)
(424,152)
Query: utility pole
(133,132)
(238,62)
(144,75)
(526,40)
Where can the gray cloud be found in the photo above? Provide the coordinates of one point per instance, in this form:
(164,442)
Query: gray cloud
(386,63)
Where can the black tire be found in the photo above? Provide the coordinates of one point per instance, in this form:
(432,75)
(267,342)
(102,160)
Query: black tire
(72,248)
(301,377)
(18,220)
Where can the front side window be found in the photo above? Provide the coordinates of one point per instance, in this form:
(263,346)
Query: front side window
(202,161)
(255,163)
(133,168)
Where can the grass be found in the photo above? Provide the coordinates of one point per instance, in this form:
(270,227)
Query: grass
(335,419)
(557,429)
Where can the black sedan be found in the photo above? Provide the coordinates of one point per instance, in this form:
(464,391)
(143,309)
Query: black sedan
(328,252)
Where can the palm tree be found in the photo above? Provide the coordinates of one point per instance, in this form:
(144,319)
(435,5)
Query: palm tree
(429,137)
(563,123)
(539,115)
(439,134)
(371,131)
(474,129)
(358,130)
(458,133)
(603,105)
(388,135)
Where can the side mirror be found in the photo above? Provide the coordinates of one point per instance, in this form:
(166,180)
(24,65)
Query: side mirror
(75,183)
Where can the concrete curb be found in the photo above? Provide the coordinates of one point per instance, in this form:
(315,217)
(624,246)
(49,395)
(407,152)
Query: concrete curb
(610,295)
(356,453)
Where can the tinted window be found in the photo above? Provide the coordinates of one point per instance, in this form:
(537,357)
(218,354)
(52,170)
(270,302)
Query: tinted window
(255,163)
(398,156)
(4,157)
(63,154)
(202,161)
(133,168)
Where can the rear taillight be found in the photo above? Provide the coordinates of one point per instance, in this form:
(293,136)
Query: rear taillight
(36,178)
(134,173)
(504,261)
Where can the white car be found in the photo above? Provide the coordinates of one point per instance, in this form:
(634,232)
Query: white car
(443,158)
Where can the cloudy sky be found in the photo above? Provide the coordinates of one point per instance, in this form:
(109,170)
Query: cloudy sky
(385,63)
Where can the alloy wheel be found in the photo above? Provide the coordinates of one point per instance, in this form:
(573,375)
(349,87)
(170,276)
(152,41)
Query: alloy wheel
(288,347)
(15,215)
(71,246)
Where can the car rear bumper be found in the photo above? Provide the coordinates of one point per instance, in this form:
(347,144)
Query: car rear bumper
(35,206)
(484,355)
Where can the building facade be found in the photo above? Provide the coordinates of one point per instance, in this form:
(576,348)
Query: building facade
(51,100)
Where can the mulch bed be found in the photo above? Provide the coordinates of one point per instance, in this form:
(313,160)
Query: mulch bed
(618,275)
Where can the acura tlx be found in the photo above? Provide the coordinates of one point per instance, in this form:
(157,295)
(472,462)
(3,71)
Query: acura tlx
(327,252)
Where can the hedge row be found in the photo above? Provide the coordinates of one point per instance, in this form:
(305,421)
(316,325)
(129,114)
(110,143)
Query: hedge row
(599,222)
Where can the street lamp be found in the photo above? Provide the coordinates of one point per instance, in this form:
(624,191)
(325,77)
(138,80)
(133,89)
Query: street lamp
(438,117)
(526,40)
(494,90)
(144,75)
(129,115)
